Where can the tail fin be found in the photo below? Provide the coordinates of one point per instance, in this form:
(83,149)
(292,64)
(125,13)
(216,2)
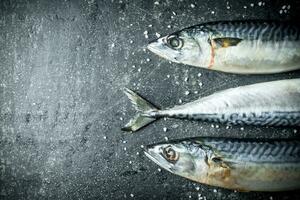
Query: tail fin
(142,106)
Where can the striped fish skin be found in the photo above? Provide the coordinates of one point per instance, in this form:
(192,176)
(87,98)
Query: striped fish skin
(238,164)
(244,47)
(275,103)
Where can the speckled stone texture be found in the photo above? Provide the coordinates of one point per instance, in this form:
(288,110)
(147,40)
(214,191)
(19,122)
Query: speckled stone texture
(63,65)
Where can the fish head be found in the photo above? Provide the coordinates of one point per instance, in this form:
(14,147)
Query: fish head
(183,158)
(183,47)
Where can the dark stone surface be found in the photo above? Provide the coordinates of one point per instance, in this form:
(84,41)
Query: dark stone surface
(62,70)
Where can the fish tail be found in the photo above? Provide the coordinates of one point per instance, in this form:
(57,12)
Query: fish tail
(146,112)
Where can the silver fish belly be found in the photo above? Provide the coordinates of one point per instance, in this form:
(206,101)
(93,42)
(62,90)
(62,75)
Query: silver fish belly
(275,103)
(240,164)
(244,47)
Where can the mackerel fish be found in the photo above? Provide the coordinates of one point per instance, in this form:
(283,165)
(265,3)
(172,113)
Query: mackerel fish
(275,103)
(242,47)
(238,164)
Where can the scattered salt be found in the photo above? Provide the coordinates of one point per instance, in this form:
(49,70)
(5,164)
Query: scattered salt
(192,5)
(187,93)
(166,138)
(156,3)
(165,129)
(157,35)
(295,130)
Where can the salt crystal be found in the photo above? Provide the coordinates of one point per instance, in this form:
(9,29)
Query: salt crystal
(295,131)
(165,129)
(157,35)
(192,5)
(156,3)
(187,93)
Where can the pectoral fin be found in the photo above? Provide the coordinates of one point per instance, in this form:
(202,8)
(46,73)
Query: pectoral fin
(218,161)
(225,42)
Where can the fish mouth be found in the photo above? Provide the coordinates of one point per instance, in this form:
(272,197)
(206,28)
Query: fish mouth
(156,47)
(157,159)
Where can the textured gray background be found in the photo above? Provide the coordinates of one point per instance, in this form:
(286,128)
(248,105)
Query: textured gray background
(63,65)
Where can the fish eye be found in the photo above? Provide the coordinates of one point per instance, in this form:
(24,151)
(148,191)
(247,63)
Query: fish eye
(175,42)
(170,154)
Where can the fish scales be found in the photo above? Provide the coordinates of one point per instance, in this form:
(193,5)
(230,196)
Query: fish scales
(255,30)
(257,150)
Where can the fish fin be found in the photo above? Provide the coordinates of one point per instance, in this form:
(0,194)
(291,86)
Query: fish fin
(143,107)
(225,42)
(222,163)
